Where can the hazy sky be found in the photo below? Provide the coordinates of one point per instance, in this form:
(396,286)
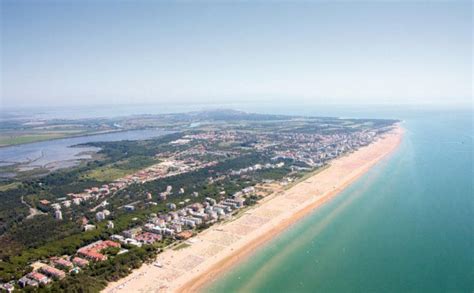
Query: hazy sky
(98,52)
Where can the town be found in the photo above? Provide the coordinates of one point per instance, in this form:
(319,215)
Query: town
(179,185)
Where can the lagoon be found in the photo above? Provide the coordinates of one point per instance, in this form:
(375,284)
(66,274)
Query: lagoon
(60,153)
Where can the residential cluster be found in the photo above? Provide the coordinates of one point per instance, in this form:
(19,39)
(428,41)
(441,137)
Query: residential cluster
(182,219)
(56,268)
(179,223)
(166,168)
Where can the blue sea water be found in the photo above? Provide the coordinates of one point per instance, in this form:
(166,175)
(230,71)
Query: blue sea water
(405,226)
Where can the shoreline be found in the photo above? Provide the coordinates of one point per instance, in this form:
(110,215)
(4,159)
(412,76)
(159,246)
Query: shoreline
(225,245)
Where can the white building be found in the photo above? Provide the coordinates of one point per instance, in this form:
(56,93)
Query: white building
(58,215)
(100,216)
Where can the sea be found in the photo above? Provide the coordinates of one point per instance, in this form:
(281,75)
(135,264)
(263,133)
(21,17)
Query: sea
(407,225)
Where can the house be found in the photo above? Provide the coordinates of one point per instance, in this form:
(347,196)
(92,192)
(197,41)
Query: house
(100,216)
(184,235)
(44,202)
(93,255)
(131,241)
(116,237)
(88,227)
(131,233)
(92,251)
(56,206)
(62,263)
(38,277)
(148,238)
(129,208)
(25,281)
(7,287)
(58,215)
(52,272)
(80,262)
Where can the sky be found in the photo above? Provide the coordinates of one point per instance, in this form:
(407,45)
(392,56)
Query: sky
(66,53)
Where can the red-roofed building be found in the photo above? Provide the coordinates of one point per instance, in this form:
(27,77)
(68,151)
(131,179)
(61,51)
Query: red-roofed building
(38,277)
(184,235)
(52,272)
(62,263)
(147,237)
(80,262)
(92,251)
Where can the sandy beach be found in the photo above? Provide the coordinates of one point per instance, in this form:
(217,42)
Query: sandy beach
(217,249)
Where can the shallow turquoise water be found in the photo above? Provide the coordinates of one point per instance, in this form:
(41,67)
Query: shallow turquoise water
(406,226)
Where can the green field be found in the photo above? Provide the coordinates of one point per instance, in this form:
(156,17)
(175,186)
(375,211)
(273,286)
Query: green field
(13,185)
(107,173)
(20,138)
(181,246)
(120,169)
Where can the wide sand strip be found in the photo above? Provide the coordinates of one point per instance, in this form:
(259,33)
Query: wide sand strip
(223,245)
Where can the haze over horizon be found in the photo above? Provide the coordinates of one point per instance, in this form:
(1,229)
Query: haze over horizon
(95,53)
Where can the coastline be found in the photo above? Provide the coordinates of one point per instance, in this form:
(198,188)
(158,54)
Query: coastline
(224,245)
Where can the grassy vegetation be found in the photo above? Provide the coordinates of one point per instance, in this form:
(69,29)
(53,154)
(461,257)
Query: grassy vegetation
(8,186)
(181,246)
(114,171)
(107,173)
(19,138)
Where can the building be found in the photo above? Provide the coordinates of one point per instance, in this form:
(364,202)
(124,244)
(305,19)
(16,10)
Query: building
(129,208)
(131,233)
(100,216)
(52,272)
(7,287)
(184,235)
(131,241)
(25,281)
(163,196)
(58,215)
(38,277)
(62,263)
(156,230)
(80,262)
(88,227)
(93,250)
(56,206)
(44,202)
(118,238)
(148,238)
(171,206)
